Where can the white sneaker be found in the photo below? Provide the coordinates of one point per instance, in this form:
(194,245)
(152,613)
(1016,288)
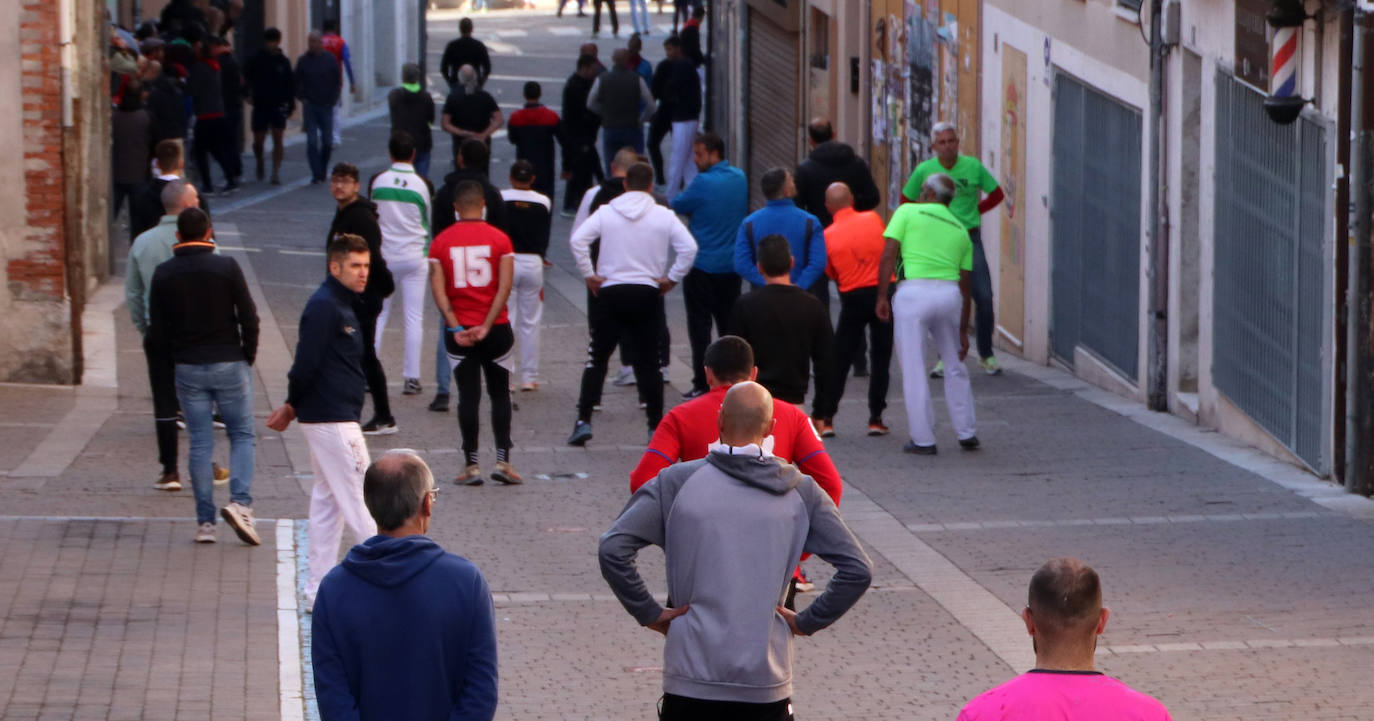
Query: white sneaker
(206,533)
(624,377)
(240,518)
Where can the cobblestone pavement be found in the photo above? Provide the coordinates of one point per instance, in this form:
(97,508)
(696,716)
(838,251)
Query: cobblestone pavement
(1234,594)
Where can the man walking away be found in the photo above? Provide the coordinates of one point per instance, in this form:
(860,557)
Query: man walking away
(334,44)
(630,278)
(357,215)
(402,197)
(325,393)
(581,164)
(412,111)
(691,36)
(465,50)
(596,18)
(146,208)
(201,315)
(150,249)
(854,247)
(716,202)
(131,141)
(624,102)
(732,527)
(231,82)
(317,86)
(787,327)
(803,232)
(534,130)
(400,590)
(679,93)
(470,113)
(471,272)
(1064,616)
(528,220)
(212,132)
(166,105)
(936,261)
(832,161)
(272,89)
(971,179)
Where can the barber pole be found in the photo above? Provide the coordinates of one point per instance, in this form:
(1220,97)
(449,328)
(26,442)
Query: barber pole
(1283,68)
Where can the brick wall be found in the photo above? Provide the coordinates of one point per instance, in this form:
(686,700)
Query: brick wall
(38,272)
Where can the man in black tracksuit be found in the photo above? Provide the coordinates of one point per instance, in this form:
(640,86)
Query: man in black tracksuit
(465,50)
(357,215)
(581,164)
(534,130)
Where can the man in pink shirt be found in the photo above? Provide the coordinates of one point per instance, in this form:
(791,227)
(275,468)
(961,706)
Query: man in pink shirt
(1064,617)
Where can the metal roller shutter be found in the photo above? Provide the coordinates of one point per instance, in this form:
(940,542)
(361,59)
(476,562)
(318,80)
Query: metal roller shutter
(772,100)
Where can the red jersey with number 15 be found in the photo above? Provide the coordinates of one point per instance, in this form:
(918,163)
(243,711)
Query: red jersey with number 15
(470,253)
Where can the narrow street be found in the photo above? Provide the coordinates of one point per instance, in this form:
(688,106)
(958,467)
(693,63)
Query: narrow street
(1239,586)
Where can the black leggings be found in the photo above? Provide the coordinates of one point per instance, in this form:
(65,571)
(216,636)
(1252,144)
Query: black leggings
(634,313)
(682,708)
(372,366)
(490,357)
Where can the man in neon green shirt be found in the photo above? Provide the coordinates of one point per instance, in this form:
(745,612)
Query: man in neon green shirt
(971,180)
(934,257)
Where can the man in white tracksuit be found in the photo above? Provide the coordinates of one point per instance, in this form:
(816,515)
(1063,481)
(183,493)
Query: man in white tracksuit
(403,211)
(933,255)
(629,279)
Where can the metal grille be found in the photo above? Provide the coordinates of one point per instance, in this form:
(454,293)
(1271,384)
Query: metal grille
(772,100)
(1270,302)
(1095,216)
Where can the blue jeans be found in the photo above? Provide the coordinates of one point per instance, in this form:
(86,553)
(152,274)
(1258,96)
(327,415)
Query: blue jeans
(613,139)
(319,136)
(422,162)
(982,296)
(443,374)
(201,387)
(640,19)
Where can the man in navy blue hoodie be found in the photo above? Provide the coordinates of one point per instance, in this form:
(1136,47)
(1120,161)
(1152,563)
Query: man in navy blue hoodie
(402,629)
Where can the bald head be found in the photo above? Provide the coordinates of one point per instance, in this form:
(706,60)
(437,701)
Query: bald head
(394,488)
(622,160)
(838,197)
(619,57)
(746,414)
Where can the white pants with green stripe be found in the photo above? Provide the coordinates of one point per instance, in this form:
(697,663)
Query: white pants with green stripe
(932,307)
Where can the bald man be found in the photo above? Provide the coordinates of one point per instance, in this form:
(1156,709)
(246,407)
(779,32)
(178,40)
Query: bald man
(1064,616)
(740,519)
(854,247)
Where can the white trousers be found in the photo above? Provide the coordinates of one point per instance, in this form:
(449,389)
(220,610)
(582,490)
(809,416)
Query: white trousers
(681,169)
(338,456)
(527,308)
(918,308)
(412,286)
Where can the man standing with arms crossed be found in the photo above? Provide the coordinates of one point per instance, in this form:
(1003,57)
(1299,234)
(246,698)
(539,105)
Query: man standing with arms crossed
(936,260)
(732,527)
(472,267)
(325,393)
(715,202)
(971,179)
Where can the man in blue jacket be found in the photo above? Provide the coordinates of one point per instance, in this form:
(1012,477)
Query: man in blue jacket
(402,629)
(715,202)
(803,231)
(325,393)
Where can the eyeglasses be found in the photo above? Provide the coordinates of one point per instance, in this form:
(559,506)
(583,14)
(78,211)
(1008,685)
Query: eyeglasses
(433,495)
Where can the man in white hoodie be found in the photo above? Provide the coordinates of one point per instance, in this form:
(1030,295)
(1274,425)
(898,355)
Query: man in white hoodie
(629,279)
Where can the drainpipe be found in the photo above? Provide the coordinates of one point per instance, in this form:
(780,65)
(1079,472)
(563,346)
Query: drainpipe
(1357,298)
(1157,373)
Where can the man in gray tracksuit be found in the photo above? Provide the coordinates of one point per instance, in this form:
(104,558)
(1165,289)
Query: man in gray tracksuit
(732,526)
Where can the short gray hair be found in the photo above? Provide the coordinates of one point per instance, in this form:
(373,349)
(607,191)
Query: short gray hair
(172,195)
(395,486)
(467,77)
(943,126)
(942,186)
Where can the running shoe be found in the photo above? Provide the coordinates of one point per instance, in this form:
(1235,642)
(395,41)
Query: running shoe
(168,482)
(471,476)
(969,444)
(824,428)
(379,427)
(240,518)
(411,387)
(939,370)
(990,366)
(877,428)
(624,377)
(505,474)
(440,403)
(221,474)
(529,387)
(911,447)
(205,533)
(582,432)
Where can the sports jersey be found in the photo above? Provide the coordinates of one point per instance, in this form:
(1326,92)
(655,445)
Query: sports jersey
(969,177)
(1063,696)
(934,244)
(470,253)
(527,220)
(686,431)
(403,210)
(854,246)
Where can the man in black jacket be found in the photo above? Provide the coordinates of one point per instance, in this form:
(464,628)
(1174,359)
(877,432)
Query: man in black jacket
(201,314)
(581,164)
(145,208)
(318,81)
(465,50)
(272,88)
(231,84)
(831,161)
(325,393)
(534,130)
(473,158)
(678,90)
(357,215)
(411,109)
(166,105)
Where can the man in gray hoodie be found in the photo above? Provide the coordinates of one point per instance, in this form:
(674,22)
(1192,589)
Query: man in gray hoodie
(732,526)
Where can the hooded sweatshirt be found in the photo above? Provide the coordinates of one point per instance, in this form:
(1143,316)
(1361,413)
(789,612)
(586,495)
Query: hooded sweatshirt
(831,162)
(732,527)
(403,630)
(635,233)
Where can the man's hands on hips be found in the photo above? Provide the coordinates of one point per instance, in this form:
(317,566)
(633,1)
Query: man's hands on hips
(665,285)
(594,284)
(666,618)
(790,617)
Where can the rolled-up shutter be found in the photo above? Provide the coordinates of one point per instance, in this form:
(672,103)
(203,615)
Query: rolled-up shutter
(771,99)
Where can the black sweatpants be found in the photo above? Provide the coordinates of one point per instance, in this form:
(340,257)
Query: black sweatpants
(634,312)
(682,708)
(584,171)
(596,17)
(857,313)
(162,380)
(372,366)
(213,139)
(659,127)
(490,357)
(708,296)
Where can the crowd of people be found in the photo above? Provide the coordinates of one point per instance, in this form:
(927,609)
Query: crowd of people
(739,467)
